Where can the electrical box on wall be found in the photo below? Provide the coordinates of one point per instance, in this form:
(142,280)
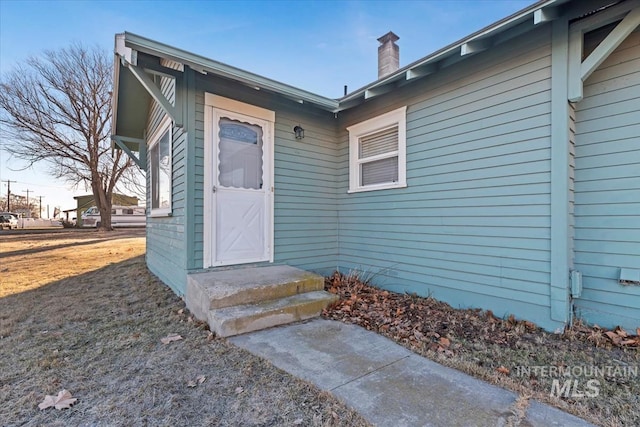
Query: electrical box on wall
(576,283)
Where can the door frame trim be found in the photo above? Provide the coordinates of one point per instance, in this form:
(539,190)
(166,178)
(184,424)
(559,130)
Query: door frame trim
(221,103)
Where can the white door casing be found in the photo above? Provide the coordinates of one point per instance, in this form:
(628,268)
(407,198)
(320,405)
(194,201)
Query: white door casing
(238,182)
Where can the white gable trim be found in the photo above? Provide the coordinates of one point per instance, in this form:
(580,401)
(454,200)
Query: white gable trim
(580,70)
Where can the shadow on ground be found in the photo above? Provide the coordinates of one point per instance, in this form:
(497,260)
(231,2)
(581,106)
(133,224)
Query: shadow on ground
(98,335)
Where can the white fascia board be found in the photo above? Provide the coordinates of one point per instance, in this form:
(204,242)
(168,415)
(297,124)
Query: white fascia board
(114,96)
(119,51)
(123,51)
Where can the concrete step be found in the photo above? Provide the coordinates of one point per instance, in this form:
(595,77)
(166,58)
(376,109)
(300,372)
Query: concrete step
(241,286)
(236,320)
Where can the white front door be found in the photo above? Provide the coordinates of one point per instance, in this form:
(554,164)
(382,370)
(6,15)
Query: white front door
(240,180)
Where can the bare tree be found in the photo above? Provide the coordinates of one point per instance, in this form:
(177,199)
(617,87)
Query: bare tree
(57,109)
(21,205)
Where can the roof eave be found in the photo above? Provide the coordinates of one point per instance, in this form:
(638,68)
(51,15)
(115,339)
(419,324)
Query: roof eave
(209,66)
(457,48)
(128,42)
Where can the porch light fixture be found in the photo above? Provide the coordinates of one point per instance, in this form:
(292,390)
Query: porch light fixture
(299,132)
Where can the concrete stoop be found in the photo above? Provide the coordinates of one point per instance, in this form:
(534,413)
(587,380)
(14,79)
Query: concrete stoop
(243,300)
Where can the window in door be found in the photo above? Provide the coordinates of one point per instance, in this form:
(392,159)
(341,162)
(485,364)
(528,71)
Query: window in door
(240,151)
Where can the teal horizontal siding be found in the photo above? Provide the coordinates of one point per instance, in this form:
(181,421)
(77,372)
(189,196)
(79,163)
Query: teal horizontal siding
(437,147)
(305,178)
(197,251)
(175,278)
(589,151)
(166,251)
(529,258)
(437,279)
(472,227)
(487,267)
(470,111)
(607,188)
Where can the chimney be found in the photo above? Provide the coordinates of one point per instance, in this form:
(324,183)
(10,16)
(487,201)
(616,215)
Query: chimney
(388,55)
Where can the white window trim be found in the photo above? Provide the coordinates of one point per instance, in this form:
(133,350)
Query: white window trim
(396,117)
(166,125)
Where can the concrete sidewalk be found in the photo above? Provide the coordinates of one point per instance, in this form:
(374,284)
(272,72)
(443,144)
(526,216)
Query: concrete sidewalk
(388,384)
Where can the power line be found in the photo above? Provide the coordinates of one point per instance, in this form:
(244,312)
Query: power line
(32,184)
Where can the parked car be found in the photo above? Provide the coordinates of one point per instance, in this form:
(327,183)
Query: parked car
(8,220)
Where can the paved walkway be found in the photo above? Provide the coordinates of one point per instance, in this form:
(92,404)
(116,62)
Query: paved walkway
(388,384)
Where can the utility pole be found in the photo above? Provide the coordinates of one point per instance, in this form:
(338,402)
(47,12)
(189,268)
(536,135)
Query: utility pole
(8,195)
(40,210)
(28,207)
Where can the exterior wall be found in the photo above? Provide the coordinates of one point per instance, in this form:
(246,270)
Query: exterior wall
(607,188)
(197,251)
(473,226)
(166,242)
(306,175)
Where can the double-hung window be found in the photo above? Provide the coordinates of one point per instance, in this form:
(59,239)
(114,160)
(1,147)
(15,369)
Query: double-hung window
(377,152)
(160,165)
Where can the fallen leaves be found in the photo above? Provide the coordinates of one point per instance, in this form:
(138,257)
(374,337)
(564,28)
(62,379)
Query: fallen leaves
(63,400)
(503,370)
(420,322)
(601,337)
(170,338)
(619,337)
(199,380)
(425,323)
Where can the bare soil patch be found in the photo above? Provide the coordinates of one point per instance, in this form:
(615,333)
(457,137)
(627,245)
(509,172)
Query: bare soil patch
(507,352)
(79,311)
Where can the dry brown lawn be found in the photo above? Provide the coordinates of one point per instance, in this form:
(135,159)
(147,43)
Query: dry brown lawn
(79,311)
(30,261)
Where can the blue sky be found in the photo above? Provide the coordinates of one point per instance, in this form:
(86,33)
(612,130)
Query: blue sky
(319,46)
